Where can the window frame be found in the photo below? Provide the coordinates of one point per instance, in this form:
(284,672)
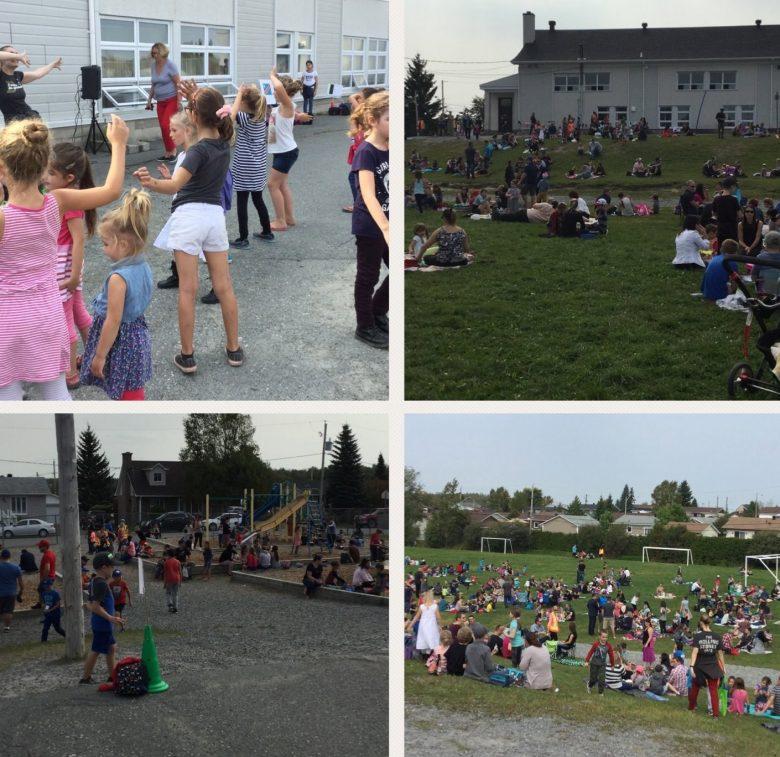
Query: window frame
(19,505)
(206,49)
(136,47)
(571,81)
(356,77)
(690,86)
(294,51)
(597,85)
(674,121)
(723,86)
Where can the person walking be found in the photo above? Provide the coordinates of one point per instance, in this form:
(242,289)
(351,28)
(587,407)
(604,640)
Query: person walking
(52,610)
(596,660)
(429,629)
(330,533)
(11,588)
(46,569)
(172,581)
(164,89)
(707,665)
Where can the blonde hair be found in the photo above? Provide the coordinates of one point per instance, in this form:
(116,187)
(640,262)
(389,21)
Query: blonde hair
(129,220)
(182,119)
(24,150)
(370,110)
(291,86)
(161,48)
(256,101)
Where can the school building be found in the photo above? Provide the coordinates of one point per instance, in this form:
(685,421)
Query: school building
(221,43)
(672,76)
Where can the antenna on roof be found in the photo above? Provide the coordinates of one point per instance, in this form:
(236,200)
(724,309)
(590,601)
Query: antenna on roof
(758,22)
(644,25)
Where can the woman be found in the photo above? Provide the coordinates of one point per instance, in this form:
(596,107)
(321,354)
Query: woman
(749,232)
(570,642)
(164,89)
(648,642)
(688,245)
(428,637)
(707,665)
(452,241)
(13,102)
(362,580)
(537,664)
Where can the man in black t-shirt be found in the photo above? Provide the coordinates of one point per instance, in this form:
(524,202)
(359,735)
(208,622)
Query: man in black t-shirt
(312,579)
(720,117)
(726,209)
(471,158)
(13,102)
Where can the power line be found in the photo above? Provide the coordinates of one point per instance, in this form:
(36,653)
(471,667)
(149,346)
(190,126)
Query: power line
(465,62)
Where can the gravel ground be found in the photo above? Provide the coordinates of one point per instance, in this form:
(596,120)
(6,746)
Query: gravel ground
(233,655)
(295,295)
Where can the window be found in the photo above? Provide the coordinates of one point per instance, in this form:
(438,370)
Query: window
(158,477)
(683,115)
(596,82)
(363,62)
(665,116)
(674,116)
(206,52)
(19,505)
(621,113)
(690,80)
(566,82)
(738,114)
(293,49)
(747,114)
(603,112)
(723,79)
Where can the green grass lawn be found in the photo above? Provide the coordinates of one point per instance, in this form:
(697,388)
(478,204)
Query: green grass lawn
(555,319)
(645,578)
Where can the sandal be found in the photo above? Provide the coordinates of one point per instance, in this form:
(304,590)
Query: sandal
(72,381)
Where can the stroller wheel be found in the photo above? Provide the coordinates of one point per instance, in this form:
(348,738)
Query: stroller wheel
(740,379)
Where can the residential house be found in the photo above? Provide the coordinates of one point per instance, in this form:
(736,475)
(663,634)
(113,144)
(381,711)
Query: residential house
(25,497)
(485,518)
(738,527)
(769,513)
(537,519)
(707,530)
(636,525)
(563,523)
(704,514)
(149,487)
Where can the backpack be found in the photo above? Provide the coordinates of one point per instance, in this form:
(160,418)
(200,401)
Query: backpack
(505,677)
(130,678)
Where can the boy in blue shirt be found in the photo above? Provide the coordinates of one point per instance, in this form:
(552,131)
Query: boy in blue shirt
(715,282)
(52,610)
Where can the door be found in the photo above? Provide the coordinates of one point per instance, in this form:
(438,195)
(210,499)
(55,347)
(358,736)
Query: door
(505,108)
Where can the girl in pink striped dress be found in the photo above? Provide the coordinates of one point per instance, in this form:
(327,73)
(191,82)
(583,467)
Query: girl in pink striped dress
(34,345)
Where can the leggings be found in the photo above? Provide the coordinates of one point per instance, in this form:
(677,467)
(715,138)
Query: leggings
(693,695)
(81,317)
(56,389)
(371,251)
(242,205)
(166,109)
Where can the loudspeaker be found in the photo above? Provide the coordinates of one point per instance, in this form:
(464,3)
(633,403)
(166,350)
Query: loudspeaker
(90,83)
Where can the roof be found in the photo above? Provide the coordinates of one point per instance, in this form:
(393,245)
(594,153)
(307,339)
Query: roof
(738,523)
(677,44)
(576,520)
(694,528)
(704,510)
(504,84)
(635,520)
(174,478)
(477,516)
(21,485)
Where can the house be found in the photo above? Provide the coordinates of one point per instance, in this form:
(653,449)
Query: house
(707,530)
(564,523)
(704,514)
(149,487)
(537,519)
(671,76)
(769,513)
(25,497)
(636,525)
(485,518)
(220,43)
(738,527)
(469,504)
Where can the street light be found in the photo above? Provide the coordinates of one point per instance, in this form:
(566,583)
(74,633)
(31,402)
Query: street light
(777,111)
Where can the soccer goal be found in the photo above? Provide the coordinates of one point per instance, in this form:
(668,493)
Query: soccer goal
(485,541)
(766,561)
(688,554)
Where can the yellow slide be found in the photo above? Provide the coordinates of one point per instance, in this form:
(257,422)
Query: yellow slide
(279,518)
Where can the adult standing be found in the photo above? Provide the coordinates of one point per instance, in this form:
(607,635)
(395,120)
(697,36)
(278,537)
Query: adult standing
(13,102)
(471,157)
(608,616)
(707,665)
(310,80)
(11,588)
(720,117)
(726,208)
(198,528)
(172,581)
(165,90)
(593,611)
(46,569)
(428,632)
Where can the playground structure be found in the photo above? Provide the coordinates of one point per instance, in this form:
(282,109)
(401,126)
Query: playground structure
(688,553)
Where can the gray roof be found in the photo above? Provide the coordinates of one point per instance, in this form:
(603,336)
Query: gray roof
(505,84)
(19,485)
(635,520)
(680,43)
(577,520)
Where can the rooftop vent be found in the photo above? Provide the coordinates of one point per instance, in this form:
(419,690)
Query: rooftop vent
(644,25)
(758,22)
(552,25)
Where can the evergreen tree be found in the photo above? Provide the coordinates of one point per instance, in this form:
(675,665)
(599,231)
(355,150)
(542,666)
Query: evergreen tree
(420,103)
(345,475)
(499,499)
(684,494)
(477,109)
(96,487)
(414,506)
(575,508)
(631,499)
(380,469)
(622,503)
(751,509)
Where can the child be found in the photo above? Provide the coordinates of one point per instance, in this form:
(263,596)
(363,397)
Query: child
(118,354)
(70,167)
(437,661)
(355,101)
(208,557)
(711,230)
(121,592)
(370,218)
(739,697)
(715,283)
(52,611)
(250,161)
(34,344)
(663,612)
(418,240)
(656,209)
(198,220)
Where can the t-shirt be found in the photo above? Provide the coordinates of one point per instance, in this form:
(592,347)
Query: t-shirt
(370,158)
(50,598)
(456,657)
(172,571)
(767,279)
(714,283)
(518,639)
(314,571)
(119,590)
(9,579)
(46,568)
(208,162)
(479,661)
(309,78)
(12,97)
(164,87)
(725,208)
(99,592)
(608,610)
(708,643)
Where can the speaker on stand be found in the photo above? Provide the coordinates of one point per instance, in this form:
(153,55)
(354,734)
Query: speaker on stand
(91,89)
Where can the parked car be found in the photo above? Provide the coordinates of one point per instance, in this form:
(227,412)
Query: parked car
(29,527)
(235,518)
(175,520)
(376,519)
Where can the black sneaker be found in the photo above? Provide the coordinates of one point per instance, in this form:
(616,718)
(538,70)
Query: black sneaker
(382,323)
(210,298)
(172,282)
(266,235)
(239,244)
(185,363)
(235,357)
(373,337)
(87,680)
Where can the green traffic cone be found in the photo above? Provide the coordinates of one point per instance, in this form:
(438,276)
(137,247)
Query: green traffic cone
(149,659)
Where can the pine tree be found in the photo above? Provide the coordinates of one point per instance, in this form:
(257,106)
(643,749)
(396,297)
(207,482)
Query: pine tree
(622,503)
(345,487)
(631,499)
(380,469)
(96,487)
(575,508)
(420,103)
(684,494)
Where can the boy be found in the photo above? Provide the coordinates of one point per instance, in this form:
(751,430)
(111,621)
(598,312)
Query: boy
(596,660)
(101,604)
(715,283)
(52,610)
(768,279)
(121,592)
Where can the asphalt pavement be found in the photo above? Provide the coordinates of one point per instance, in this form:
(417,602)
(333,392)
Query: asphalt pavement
(295,295)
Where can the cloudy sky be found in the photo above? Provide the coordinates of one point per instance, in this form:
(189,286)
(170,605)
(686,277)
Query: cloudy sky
(597,455)
(491,31)
(27,444)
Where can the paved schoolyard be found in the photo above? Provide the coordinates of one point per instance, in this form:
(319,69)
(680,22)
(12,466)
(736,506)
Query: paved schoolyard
(295,295)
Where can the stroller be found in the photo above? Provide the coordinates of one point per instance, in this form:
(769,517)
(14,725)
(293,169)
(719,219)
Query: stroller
(743,382)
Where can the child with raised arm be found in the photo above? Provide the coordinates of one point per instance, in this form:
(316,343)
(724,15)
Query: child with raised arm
(34,343)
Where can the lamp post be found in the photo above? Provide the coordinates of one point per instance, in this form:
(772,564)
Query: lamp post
(777,111)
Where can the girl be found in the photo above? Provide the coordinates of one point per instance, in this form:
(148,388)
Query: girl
(739,697)
(70,167)
(118,354)
(284,149)
(418,240)
(428,631)
(663,613)
(198,221)
(418,190)
(250,161)
(355,101)
(437,661)
(763,691)
(34,345)
(370,218)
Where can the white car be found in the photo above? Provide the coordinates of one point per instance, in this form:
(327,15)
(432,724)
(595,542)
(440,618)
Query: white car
(29,527)
(214,524)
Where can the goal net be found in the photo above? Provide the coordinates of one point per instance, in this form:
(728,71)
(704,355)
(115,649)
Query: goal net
(685,550)
(770,562)
(504,545)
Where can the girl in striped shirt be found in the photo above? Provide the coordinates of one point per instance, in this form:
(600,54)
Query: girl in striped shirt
(34,345)
(69,167)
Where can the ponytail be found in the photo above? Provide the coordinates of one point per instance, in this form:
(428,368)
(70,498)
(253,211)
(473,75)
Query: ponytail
(448,216)
(130,219)
(68,158)
(206,103)
(368,111)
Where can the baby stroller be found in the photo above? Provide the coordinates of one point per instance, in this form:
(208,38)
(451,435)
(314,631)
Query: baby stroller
(743,382)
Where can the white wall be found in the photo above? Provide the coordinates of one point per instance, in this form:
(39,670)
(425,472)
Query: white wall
(366,18)
(296,16)
(195,11)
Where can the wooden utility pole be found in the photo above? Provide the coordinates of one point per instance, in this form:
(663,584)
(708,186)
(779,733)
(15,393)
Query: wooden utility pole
(70,536)
(322,467)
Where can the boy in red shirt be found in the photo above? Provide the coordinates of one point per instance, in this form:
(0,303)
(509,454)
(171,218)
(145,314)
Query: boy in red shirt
(46,568)
(121,592)
(172,581)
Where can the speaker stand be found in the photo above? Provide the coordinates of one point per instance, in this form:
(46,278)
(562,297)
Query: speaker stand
(93,144)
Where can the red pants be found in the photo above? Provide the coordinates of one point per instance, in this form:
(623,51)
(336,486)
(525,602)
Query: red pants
(712,686)
(165,109)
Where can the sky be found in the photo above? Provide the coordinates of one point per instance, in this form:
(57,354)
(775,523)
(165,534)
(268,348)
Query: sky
(568,454)
(290,441)
(491,31)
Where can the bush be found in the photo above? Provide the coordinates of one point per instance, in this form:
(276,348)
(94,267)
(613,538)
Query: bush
(472,536)
(617,543)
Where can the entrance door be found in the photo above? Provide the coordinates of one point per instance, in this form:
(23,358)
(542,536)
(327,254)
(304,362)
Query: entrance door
(505,113)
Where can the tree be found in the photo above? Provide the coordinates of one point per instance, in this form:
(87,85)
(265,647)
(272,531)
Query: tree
(673,512)
(622,503)
(751,509)
(604,506)
(420,103)
(414,506)
(685,494)
(477,109)
(380,469)
(345,474)
(446,527)
(500,499)
(575,508)
(521,501)
(96,487)
(665,494)
(450,495)
(631,499)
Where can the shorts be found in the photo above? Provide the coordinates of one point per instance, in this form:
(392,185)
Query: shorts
(102,641)
(7,605)
(284,161)
(608,623)
(197,227)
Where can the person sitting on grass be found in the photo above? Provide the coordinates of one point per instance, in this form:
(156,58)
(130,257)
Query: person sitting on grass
(768,279)
(624,206)
(453,243)
(573,219)
(437,661)
(599,229)
(456,654)
(749,232)
(738,700)
(659,683)
(715,284)
(536,664)
(688,245)
(569,643)
(638,169)
(479,661)
(763,692)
